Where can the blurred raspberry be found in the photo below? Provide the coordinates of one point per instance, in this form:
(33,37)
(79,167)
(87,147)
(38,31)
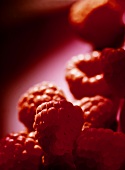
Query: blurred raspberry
(84,76)
(98,111)
(58,124)
(20,151)
(98,22)
(100,149)
(36,95)
(113,64)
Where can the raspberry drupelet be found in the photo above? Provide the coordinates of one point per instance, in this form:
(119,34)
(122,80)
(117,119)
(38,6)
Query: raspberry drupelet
(100,149)
(84,76)
(98,111)
(57,125)
(20,151)
(36,95)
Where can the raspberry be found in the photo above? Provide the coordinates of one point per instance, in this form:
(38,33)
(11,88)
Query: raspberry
(100,149)
(85,77)
(58,123)
(98,111)
(20,151)
(39,93)
(113,64)
(98,22)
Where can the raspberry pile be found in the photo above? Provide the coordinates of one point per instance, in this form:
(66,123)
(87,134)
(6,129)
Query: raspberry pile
(62,134)
(78,134)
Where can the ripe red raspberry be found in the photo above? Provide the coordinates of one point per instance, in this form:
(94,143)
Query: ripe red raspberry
(98,111)
(36,95)
(100,149)
(113,64)
(98,22)
(85,77)
(58,124)
(20,151)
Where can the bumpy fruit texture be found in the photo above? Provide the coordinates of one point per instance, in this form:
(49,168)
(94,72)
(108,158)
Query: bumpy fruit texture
(20,151)
(85,77)
(113,64)
(58,124)
(100,149)
(98,22)
(36,95)
(98,111)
